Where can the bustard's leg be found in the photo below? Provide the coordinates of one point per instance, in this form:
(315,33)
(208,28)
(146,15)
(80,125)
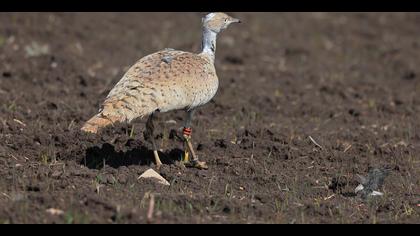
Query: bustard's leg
(149,135)
(188,147)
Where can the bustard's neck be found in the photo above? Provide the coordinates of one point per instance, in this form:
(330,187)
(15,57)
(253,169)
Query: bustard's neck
(208,45)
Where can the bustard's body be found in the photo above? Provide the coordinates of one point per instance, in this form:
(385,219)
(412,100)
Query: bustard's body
(164,81)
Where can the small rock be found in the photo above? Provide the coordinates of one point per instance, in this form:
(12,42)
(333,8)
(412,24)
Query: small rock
(55,212)
(150,173)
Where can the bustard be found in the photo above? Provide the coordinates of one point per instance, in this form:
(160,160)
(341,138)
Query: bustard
(164,81)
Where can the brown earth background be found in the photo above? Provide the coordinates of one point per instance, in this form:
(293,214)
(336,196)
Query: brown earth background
(348,80)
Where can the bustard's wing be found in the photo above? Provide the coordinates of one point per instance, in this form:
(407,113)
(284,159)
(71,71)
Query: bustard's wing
(161,81)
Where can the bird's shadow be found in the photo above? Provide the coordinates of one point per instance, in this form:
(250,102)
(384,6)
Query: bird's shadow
(97,157)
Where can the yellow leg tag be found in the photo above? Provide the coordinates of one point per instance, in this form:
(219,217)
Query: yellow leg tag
(186,156)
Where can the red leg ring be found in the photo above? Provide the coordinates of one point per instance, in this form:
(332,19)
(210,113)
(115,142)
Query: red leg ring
(187,132)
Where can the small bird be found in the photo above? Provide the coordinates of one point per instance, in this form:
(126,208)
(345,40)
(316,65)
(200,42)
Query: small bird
(165,81)
(370,185)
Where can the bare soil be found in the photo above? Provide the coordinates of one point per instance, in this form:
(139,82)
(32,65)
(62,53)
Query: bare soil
(348,80)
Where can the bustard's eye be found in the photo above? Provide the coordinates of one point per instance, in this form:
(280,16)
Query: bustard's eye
(226,20)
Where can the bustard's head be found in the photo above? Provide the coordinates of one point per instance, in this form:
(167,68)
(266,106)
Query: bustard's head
(218,21)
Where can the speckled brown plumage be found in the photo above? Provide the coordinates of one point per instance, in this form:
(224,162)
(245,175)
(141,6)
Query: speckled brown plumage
(163,81)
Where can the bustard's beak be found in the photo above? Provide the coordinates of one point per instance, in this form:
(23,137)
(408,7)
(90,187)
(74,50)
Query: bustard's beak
(234,20)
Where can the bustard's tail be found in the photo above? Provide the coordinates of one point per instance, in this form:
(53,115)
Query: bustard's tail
(107,116)
(119,110)
(96,123)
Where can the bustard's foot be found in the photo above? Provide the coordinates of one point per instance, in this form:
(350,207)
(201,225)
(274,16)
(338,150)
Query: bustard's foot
(187,162)
(201,165)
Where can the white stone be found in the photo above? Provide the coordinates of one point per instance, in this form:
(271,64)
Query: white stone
(150,173)
(54,211)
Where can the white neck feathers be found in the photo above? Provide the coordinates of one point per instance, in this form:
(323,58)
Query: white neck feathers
(208,45)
